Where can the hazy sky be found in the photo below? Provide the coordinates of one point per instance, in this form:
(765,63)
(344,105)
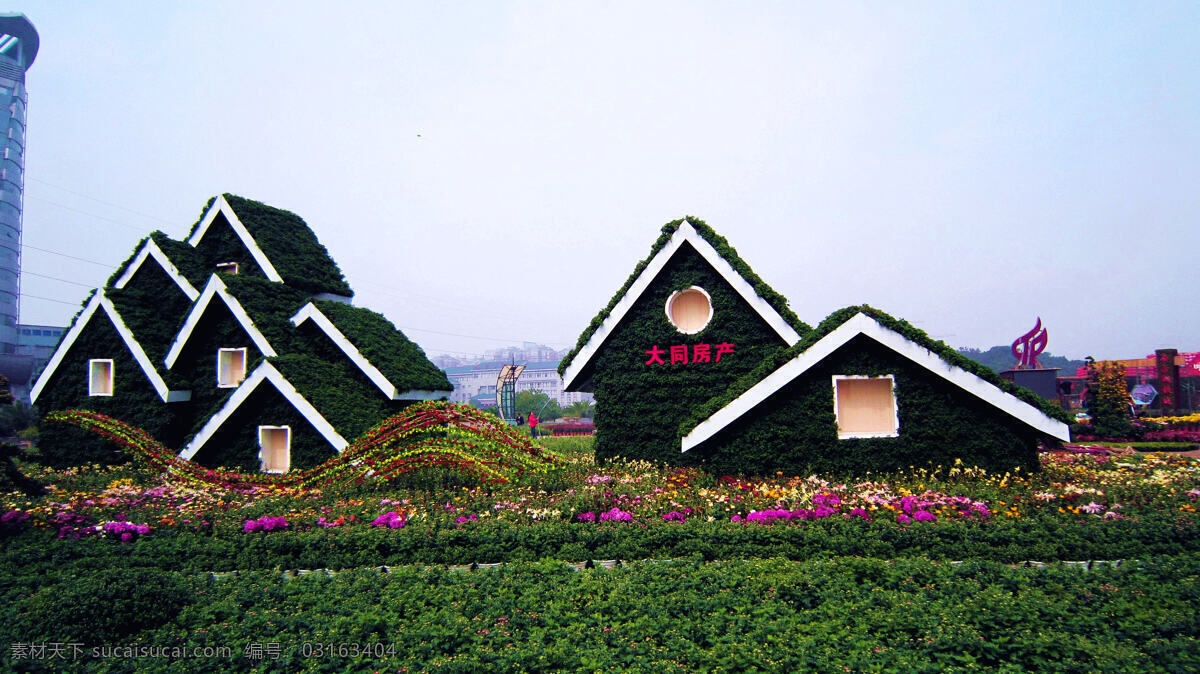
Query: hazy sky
(491,172)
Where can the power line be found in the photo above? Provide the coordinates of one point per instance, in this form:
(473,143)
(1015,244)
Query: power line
(48,299)
(55,278)
(55,252)
(82,212)
(100,201)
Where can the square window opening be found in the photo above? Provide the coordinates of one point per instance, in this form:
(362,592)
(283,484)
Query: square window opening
(100,377)
(865,407)
(231,367)
(275,448)
(227,267)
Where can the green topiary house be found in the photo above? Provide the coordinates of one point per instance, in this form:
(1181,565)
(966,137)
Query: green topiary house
(861,392)
(239,347)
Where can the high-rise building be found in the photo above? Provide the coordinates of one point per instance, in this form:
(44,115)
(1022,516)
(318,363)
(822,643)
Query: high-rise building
(18,48)
(19,359)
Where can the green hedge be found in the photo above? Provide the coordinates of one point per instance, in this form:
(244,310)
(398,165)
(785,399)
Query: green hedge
(1006,540)
(771,615)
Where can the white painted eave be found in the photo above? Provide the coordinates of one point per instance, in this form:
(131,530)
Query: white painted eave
(861,324)
(100,302)
(685,233)
(150,250)
(221,207)
(215,288)
(264,373)
(310,312)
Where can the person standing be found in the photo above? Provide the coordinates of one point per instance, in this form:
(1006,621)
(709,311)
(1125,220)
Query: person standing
(533,422)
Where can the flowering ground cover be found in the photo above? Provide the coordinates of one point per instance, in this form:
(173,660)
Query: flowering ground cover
(896,534)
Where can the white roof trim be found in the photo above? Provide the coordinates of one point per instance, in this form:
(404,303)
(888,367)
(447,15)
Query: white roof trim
(220,206)
(216,288)
(685,233)
(862,324)
(151,249)
(264,372)
(100,302)
(311,312)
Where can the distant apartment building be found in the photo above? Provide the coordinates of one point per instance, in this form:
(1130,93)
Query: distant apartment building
(476,384)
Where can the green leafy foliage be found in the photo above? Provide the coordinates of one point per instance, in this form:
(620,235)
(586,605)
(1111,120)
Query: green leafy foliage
(680,616)
(133,398)
(795,430)
(1108,400)
(777,301)
(641,405)
(423,436)
(104,605)
(397,357)
(284,238)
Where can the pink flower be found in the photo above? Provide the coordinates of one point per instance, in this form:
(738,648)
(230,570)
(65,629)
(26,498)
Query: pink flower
(1092,508)
(923,516)
(903,519)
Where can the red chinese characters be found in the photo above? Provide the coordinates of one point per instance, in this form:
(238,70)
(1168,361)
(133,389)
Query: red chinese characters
(681,354)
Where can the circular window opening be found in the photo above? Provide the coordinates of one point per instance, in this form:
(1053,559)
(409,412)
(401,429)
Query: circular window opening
(689,310)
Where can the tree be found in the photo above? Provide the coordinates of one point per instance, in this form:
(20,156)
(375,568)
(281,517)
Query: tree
(582,408)
(6,397)
(545,407)
(1108,400)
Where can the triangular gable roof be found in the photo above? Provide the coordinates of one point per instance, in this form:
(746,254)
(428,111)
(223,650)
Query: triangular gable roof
(215,288)
(725,262)
(279,241)
(101,303)
(149,250)
(265,373)
(310,312)
(220,206)
(862,324)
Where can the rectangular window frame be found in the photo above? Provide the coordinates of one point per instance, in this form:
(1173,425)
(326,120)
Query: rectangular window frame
(227,268)
(101,377)
(287,449)
(237,380)
(854,435)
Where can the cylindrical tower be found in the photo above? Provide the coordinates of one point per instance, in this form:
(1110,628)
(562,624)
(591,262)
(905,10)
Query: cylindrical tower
(18,48)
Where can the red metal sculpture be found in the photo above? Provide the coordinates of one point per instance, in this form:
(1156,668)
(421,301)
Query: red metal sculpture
(1029,346)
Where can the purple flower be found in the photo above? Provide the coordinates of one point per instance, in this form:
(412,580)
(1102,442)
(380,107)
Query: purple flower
(903,519)
(923,516)
(824,511)
(832,500)
(126,537)
(464,520)
(391,519)
(1092,508)
(616,515)
(675,516)
(586,517)
(14,517)
(251,525)
(860,512)
(737,519)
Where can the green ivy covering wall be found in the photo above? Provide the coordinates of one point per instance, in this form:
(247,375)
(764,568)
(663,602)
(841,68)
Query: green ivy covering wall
(134,399)
(718,242)
(291,246)
(221,244)
(345,397)
(901,327)
(235,445)
(153,307)
(795,430)
(639,406)
(197,362)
